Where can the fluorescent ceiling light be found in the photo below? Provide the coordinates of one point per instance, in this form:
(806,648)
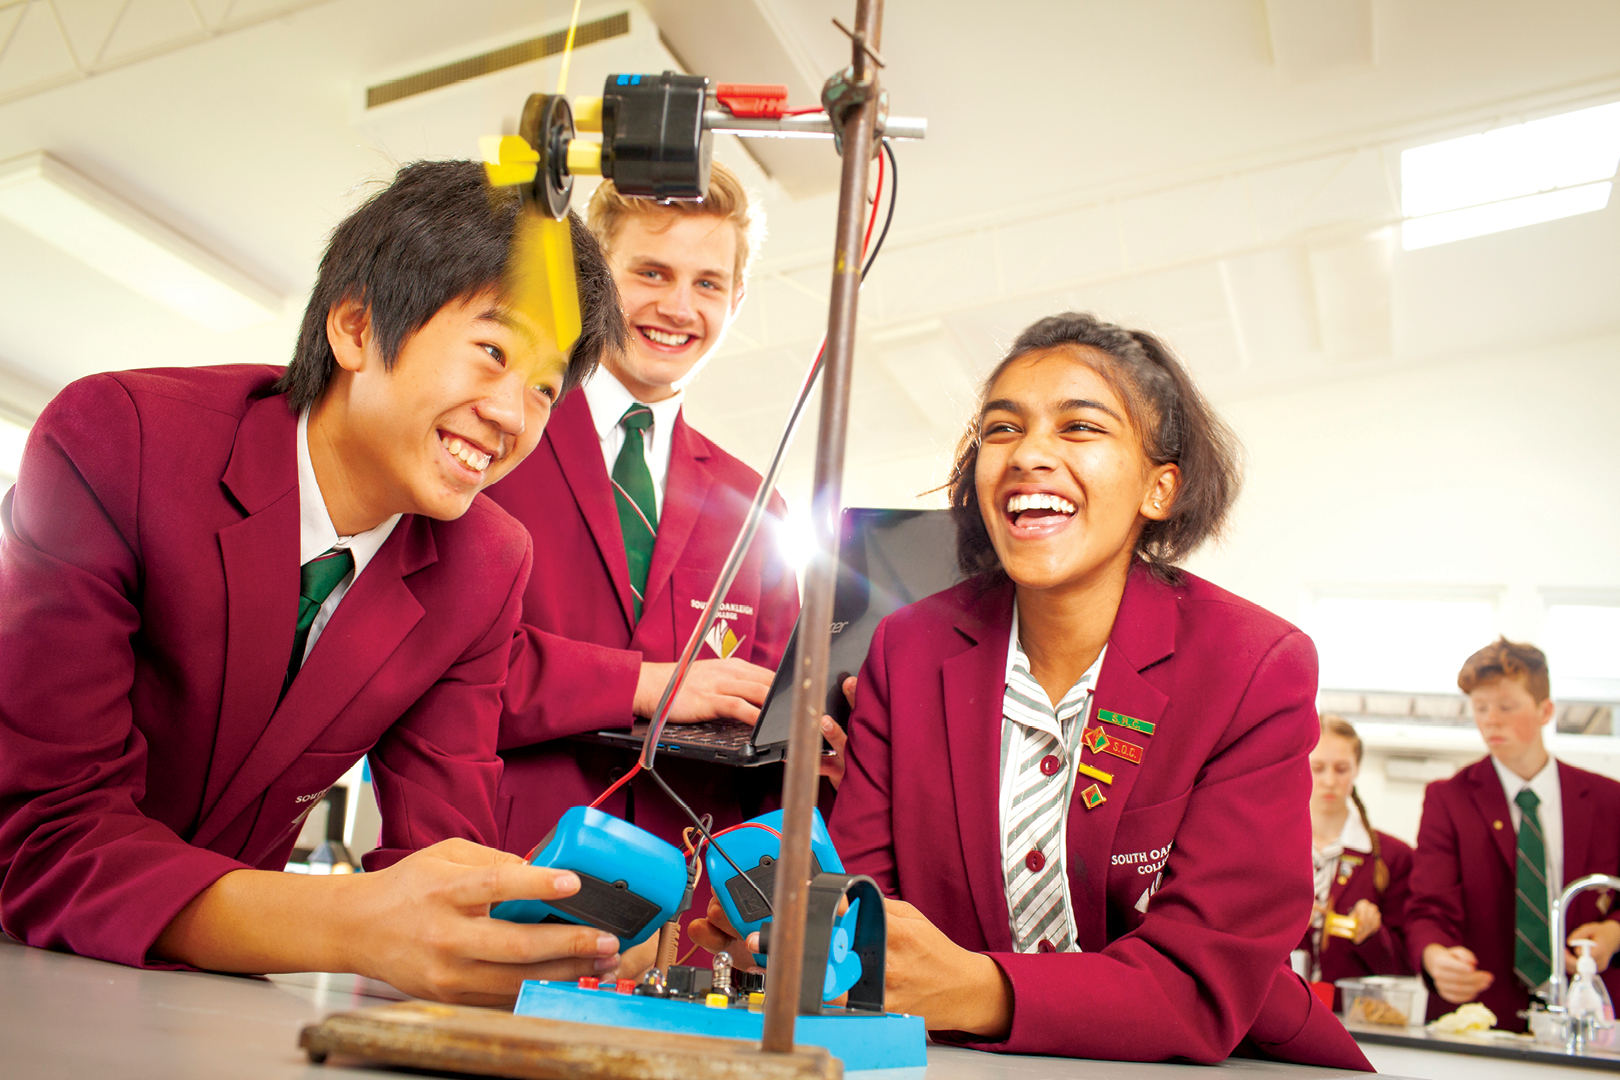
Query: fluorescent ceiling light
(1510,177)
(75,214)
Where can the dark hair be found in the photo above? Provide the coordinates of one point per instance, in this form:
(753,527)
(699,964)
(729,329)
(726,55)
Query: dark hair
(1337,725)
(1176,423)
(438,233)
(1504,659)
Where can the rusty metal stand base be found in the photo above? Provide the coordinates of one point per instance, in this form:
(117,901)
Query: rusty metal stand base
(484,1042)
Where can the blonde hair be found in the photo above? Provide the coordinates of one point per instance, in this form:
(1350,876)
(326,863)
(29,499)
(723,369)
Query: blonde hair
(727,199)
(1338,725)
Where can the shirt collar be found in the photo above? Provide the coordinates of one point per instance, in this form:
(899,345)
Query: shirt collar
(1544,783)
(608,400)
(1354,835)
(1020,678)
(316,533)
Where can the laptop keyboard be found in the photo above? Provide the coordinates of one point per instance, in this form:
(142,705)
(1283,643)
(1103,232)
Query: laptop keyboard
(721,734)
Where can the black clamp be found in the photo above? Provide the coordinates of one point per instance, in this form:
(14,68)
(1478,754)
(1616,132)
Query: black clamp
(827,895)
(847,91)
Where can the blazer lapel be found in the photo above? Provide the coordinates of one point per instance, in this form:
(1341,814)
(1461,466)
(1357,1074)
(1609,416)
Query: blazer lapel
(1485,788)
(374,617)
(260,558)
(975,683)
(1143,634)
(571,434)
(686,487)
(1577,825)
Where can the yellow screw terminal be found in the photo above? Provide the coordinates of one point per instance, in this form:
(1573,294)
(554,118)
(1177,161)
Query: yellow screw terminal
(756,1000)
(717,1001)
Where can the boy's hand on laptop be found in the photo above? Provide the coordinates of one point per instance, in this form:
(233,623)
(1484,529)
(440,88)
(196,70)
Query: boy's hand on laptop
(421,926)
(713,690)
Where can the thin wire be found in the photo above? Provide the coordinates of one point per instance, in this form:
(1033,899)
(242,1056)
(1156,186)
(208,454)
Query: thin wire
(888,219)
(617,784)
(709,837)
(568,50)
(745,539)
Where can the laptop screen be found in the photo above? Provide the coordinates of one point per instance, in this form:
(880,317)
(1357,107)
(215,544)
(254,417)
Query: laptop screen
(886,560)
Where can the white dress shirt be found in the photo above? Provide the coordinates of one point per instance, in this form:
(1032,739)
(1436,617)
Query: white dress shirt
(1550,813)
(1325,863)
(608,400)
(316,534)
(1067,725)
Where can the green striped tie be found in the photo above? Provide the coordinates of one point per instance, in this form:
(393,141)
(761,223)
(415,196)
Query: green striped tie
(316,580)
(637,503)
(1531,937)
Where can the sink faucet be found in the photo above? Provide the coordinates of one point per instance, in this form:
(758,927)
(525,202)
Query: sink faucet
(1560,911)
(1578,1031)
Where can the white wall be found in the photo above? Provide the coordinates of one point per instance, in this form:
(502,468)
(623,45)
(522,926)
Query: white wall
(1486,472)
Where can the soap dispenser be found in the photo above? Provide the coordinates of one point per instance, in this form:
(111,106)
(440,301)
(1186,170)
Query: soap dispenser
(1588,997)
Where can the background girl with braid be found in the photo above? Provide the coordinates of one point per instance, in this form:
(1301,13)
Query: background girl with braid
(1360,872)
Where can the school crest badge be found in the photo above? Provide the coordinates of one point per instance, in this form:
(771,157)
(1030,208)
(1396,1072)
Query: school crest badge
(722,639)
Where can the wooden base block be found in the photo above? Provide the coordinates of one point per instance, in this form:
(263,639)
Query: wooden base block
(483,1042)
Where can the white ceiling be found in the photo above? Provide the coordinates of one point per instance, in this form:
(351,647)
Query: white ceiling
(1222,171)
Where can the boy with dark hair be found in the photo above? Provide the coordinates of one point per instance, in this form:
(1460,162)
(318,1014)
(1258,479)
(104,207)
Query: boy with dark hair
(220,587)
(1499,841)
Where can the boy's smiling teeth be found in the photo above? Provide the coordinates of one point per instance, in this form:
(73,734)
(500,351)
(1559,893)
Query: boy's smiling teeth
(663,337)
(473,458)
(1040,500)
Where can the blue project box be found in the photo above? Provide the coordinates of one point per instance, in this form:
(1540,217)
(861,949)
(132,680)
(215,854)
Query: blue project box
(861,1040)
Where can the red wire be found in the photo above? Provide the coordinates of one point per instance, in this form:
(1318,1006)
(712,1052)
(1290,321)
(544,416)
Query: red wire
(877,197)
(866,240)
(617,784)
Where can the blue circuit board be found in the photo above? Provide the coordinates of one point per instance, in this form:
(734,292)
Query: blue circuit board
(862,1040)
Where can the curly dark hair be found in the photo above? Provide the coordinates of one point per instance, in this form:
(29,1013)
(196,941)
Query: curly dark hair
(1177,425)
(438,233)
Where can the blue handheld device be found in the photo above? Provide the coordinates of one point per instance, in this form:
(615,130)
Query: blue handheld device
(755,851)
(630,882)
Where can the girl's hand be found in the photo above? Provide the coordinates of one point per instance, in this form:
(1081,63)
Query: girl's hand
(1368,920)
(927,974)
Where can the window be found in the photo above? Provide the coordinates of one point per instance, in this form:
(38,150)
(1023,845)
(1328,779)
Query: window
(12,437)
(1414,646)
(1508,178)
(1582,643)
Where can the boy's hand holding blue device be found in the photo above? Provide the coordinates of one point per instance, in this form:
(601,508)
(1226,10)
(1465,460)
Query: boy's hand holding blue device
(630,882)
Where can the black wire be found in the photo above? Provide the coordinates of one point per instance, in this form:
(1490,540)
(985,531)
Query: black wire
(888,217)
(709,837)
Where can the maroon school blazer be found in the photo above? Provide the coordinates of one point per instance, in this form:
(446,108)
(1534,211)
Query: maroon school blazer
(576,658)
(1192,881)
(1463,875)
(1384,953)
(148,595)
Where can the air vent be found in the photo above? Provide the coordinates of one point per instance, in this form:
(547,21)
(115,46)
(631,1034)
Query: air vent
(522,52)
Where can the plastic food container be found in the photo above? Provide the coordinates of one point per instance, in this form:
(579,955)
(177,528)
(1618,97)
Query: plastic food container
(1386,1000)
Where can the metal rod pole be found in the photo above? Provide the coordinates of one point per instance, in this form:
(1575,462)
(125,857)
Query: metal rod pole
(810,663)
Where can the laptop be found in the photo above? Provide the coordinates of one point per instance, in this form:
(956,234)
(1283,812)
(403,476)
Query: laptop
(886,560)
